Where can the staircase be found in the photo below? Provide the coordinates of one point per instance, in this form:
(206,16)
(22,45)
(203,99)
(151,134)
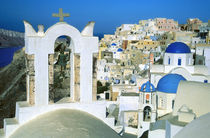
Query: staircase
(2,135)
(11,124)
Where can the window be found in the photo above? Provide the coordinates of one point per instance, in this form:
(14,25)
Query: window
(107,96)
(147,98)
(179,61)
(172,104)
(169,61)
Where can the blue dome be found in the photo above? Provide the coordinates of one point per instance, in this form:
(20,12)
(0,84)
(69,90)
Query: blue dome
(147,87)
(119,50)
(169,83)
(113,44)
(178,47)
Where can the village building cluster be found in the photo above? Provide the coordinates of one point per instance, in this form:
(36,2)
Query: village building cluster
(145,63)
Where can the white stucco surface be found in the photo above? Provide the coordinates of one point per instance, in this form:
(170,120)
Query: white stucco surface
(194,95)
(25,113)
(186,59)
(65,123)
(159,133)
(171,129)
(41,44)
(128,103)
(198,128)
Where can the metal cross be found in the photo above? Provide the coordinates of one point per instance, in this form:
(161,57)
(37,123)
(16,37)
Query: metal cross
(60,14)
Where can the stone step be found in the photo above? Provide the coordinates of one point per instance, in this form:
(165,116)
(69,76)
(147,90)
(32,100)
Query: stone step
(10,125)
(11,121)
(2,133)
(23,104)
(19,106)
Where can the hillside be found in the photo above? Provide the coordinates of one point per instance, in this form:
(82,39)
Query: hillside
(11,38)
(12,86)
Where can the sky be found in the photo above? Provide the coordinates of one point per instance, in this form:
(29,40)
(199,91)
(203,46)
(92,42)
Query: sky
(108,14)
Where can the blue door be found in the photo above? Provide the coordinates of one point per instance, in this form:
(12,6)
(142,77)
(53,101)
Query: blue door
(179,61)
(169,60)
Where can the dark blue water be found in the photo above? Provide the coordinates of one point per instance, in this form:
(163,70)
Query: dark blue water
(6,55)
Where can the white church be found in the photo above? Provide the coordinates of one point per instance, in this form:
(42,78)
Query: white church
(178,59)
(180,88)
(166,107)
(75,116)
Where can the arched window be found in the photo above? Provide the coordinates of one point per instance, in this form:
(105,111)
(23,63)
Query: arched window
(169,60)
(179,61)
(147,114)
(59,69)
(172,104)
(147,98)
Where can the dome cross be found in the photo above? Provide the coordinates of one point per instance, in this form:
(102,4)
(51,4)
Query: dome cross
(61,15)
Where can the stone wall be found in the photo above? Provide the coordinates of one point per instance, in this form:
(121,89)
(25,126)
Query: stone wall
(77,77)
(94,89)
(51,76)
(30,73)
(50,66)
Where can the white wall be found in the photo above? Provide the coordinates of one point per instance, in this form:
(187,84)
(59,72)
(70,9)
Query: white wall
(42,43)
(186,59)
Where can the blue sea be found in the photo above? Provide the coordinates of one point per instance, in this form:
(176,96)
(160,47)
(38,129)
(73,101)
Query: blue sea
(6,55)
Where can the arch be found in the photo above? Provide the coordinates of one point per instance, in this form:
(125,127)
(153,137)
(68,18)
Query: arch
(64,29)
(182,71)
(41,44)
(60,29)
(59,69)
(147,113)
(152,108)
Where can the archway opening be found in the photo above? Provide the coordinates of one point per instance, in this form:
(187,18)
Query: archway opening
(59,69)
(147,114)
